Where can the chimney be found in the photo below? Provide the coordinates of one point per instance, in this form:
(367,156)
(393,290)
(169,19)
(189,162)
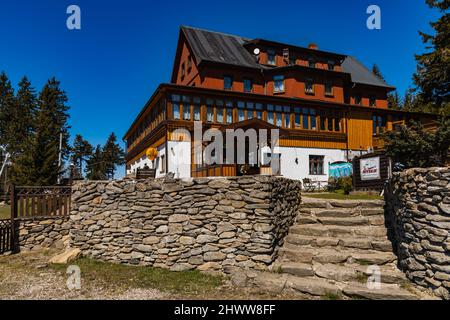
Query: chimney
(313,46)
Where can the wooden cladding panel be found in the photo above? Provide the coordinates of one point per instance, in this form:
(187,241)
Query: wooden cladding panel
(359,128)
(326,143)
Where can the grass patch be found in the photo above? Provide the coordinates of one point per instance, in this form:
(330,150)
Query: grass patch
(339,195)
(5,212)
(332,296)
(361,277)
(126,276)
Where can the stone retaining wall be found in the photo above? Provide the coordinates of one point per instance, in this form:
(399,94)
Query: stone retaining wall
(36,233)
(418,202)
(204,223)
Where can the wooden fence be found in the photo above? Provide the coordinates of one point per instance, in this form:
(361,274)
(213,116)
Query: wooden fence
(40,201)
(6,235)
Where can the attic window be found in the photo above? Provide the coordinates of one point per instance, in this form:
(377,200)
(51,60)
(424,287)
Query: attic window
(183,70)
(189,63)
(311,63)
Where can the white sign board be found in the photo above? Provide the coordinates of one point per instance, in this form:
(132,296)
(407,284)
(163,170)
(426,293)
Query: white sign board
(370,168)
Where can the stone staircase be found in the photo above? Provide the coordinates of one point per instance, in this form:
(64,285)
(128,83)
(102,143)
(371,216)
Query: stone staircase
(332,250)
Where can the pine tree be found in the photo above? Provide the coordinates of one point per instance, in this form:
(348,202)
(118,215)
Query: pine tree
(433,68)
(95,168)
(113,155)
(51,121)
(80,152)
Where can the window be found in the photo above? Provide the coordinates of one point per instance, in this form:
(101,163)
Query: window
(197,112)
(328,88)
(313,118)
(241,111)
(311,63)
(279,115)
(183,71)
(271,57)
(250,110)
(309,86)
(219,110)
(248,85)
(379,124)
(176,107)
(305,118)
(337,124)
(270,114)
(287,117)
(330,65)
(259,108)
(189,63)
(372,101)
(209,110)
(278,84)
(316,165)
(298,116)
(229,111)
(186,108)
(323,120)
(227,83)
(358,99)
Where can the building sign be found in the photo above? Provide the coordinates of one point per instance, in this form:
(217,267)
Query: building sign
(370,168)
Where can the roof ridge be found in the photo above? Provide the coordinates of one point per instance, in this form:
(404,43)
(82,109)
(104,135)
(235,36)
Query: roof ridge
(216,32)
(367,69)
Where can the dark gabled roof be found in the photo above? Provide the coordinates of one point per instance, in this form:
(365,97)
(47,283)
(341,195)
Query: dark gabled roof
(219,47)
(216,47)
(360,74)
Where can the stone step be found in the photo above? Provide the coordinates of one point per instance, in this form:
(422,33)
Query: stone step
(337,231)
(377,220)
(352,242)
(386,292)
(313,286)
(331,203)
(357,273)
(305,254)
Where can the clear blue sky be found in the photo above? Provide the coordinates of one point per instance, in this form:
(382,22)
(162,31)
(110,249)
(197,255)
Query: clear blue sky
(126,48)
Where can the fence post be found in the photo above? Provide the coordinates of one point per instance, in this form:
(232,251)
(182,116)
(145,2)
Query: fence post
(13,216)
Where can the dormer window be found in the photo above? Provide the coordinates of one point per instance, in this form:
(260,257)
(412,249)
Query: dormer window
(278,84)
(271,57)
(330,65)
(328,87)
(372,101)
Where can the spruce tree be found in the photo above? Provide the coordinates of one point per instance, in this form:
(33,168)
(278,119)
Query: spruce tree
(433,68)
(393,99)
(95,168)
(80,152)
(7,105)
(22,134)
(51,121)
(376,71)
(113,155)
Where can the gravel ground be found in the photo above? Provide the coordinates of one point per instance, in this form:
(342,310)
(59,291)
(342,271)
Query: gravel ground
(27,276)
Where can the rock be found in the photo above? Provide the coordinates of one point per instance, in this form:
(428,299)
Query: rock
(66,257)
(214,256)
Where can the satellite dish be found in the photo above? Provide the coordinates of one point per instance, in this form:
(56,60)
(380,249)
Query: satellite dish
(256,51)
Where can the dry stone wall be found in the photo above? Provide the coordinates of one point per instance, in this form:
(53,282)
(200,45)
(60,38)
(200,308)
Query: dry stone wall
(418,202)
(37,233)
(203,223)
